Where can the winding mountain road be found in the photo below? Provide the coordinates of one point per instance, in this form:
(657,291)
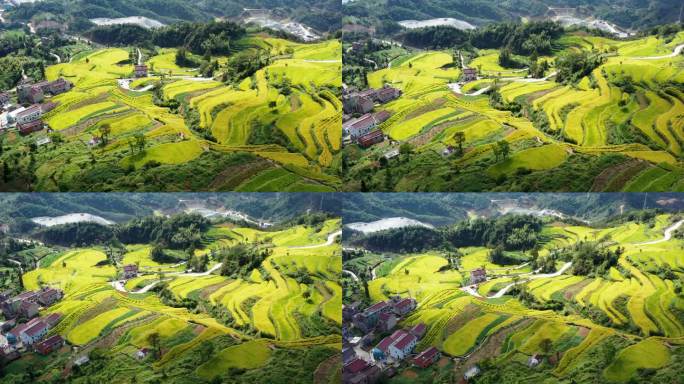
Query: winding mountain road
(667,235)
(352,274)
(119,284)
(472,289)
(331,240)
(676,52)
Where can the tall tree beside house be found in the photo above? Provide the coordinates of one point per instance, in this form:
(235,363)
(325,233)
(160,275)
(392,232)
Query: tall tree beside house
(460,139)
(155,342)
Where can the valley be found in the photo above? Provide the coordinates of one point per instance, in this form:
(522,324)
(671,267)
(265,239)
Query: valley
(467,120)
(576,303)
(217,301)
(169,121)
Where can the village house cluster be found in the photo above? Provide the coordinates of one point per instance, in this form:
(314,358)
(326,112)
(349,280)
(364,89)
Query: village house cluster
(26,115)
(366,360)
(365,363)
(360,123)
(22,329)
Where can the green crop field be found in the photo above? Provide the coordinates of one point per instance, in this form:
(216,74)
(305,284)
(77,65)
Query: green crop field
(243,129)
(617,137)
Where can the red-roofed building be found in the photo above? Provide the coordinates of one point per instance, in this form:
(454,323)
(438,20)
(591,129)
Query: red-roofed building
(387,93)
(130,271)
(478,275)
(371,139)
(427,357)
(30,114)
(4,98)
(141,71)
(403,346)
(53,319)
(404,306)
(360,372)
(386,321)
(31,127)
(418,330)
(378,307)
(28,309)
(355,366)
(50,344)
(469,74)
(34,333)
(49,296)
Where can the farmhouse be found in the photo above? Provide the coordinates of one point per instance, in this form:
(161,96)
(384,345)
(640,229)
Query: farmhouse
(403,345)
(397,345)
(142,353)
(34,332)
(403,306)
(29,115)
(427,357)
(28,93)
(360,372)
(478,275)
(356,103)
(48,296)
(52,319)
(130,271)
(469,74)
(33,126)
(58,86)
(28,309)
(364,101)
(387,94)
(387,322)
(20,305)
(418,330)
(366,320)
(371,138)
(50,344)
(141,71)
(4,98)
(364,124)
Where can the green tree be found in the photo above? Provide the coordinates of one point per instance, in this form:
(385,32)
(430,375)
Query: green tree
(460,139)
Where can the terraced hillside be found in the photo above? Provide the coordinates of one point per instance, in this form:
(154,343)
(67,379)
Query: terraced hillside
(198,326)
(619,128)
(621,325)
(175,130)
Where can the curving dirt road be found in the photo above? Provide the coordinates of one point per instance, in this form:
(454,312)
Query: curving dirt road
(667,235)
(676,52)
(472,289)
(331,240)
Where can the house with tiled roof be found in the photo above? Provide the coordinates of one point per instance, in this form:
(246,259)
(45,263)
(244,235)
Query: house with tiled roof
(50,344)
(28,309)
(478,275)
(386,321)
(130,271)
(366,320)
(403,346)
(418,330)
(404,306)
(4,98)
(53,319)
(49,296)
(427,357)
(34,333)
(360,372)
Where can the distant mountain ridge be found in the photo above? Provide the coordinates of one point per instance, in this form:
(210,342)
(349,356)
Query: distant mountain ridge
(323,15)
(633,14)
